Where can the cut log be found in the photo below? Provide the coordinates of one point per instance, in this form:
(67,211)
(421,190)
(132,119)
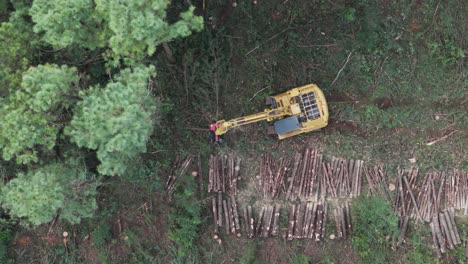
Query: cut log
(251,221)
(307,217)
(236,215)
(215,214)
(338,222)
(226,216)
(440,238)
(275,230)
(318,226)
(269,219)
(299,221)
(450,227)
(454,225)
(404,225)
(313,221)
(446,231)
(343,223)
(245,223)
(220,209)
(434,240)
(412,199)
(348,218)
(324,223)
(291,221)
(258,228)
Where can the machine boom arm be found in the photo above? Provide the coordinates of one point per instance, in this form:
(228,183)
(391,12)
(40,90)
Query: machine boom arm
(224,126)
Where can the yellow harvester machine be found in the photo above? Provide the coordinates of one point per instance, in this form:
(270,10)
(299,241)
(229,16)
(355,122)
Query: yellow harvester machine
(299,110)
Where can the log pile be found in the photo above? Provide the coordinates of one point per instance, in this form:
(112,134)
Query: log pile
(225,213)
(305,179)
(432,197)
(307,221)
(272,173)
(444,231)
(224,174)
(343,177)
(178,169)
(342,221)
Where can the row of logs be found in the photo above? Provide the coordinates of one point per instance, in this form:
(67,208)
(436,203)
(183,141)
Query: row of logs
(223,174)
(225,214)
(444,231)
(307,221)
(308,177)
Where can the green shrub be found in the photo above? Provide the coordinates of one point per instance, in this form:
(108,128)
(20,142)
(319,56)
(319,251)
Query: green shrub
(101,235)
(301,259)
(250,254)
(375,224)
(185,217)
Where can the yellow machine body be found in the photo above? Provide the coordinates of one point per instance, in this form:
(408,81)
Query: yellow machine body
(299,110)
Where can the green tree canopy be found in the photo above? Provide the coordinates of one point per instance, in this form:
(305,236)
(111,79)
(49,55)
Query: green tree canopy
(38,194)
(117,120)
(138,26)
(26,116)
(131,29)
(18,44)
(64,23)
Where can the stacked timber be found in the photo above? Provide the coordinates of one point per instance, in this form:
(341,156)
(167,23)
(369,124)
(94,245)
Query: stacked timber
(444,231)
(178,169)
(305,181)
(307,221)
(456,194)
(265,225)
(405,201)
(375,176)
(225,213)
(423,201)
(343,177)
(272,173)
(342,221)
(223,174)
(428,199)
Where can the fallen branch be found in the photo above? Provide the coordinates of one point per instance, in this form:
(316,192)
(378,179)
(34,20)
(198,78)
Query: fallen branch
(342,68)
(441,138)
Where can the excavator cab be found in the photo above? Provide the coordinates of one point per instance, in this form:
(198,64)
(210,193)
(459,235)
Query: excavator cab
(299,110)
